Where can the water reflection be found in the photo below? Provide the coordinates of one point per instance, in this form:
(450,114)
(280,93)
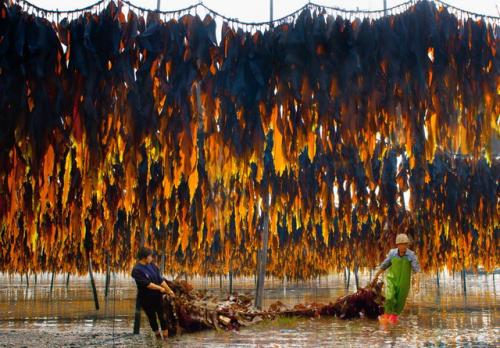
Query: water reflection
(435,317)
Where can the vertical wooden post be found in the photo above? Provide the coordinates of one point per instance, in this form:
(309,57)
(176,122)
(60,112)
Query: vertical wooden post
(271,12)
(464,281)
(231,276)
(67,280)
(437,279)
(137,317)
(356,276)
(52,281)
(27,280)
(348,278)
(92,283)
(162,263)
(263,254)
(108,277)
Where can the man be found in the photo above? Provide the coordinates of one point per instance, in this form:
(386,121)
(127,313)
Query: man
(151,286)
(400,262)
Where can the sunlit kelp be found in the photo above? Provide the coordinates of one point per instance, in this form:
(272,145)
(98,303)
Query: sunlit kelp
(103,146)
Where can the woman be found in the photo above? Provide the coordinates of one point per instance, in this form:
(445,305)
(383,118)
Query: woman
(400,262)
(151,286)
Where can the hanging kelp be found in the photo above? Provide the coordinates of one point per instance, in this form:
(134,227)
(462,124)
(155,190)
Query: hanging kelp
(119,130)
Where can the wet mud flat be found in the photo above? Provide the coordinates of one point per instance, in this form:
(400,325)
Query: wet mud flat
(436,317)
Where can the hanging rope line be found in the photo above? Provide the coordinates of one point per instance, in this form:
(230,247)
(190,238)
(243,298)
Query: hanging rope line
(310,5)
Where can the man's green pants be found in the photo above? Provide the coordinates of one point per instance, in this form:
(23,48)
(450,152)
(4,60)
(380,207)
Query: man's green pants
(398,285)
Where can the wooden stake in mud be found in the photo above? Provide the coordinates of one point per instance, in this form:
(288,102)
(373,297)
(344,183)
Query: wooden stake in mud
(92,283)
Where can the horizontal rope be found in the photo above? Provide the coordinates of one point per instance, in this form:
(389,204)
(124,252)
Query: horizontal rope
(185,9)
(444,4)
(309,5)
(56,11)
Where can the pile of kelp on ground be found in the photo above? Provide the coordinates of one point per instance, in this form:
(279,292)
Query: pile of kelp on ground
(197,310)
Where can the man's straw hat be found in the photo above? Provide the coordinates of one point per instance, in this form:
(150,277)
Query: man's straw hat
(402,239)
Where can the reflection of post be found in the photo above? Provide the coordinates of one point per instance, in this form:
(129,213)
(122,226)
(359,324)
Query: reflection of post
(494,288)
(263,254)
